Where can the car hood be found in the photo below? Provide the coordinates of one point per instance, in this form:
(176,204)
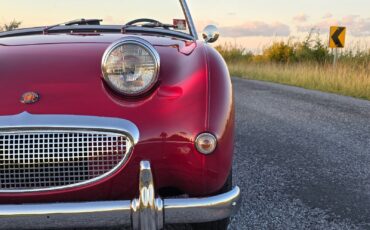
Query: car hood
(66,71)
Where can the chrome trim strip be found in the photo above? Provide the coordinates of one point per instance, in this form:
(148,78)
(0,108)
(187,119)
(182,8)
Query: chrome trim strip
(189,18)
(26,122)
(65,215)
(200,210)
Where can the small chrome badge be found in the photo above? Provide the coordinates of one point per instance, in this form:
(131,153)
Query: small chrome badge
(30,98)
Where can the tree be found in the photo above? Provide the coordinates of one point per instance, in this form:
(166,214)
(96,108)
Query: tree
(11,26)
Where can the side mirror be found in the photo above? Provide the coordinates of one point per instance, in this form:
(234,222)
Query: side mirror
(210,34)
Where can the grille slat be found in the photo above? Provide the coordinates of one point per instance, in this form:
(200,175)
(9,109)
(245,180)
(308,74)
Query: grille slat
(47,160)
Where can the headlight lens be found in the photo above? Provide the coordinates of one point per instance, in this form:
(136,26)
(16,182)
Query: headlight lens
(131,67)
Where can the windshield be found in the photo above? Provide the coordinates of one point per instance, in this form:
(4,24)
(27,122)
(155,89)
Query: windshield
(112,12)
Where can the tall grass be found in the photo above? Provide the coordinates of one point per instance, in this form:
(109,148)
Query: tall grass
(344,80)
(306,64)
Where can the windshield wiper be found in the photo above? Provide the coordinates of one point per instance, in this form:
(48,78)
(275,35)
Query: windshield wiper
(81,21)
(158,24)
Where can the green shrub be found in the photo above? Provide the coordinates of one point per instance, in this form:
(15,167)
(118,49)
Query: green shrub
(11,26)
(280,52)
(234,53)
(310,50)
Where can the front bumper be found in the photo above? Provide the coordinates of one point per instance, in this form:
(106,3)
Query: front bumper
(146,212)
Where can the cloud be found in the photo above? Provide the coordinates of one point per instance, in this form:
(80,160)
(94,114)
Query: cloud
(300,18)
(201,24)
(327,15)
(256,28)
(356,25)
(321,26)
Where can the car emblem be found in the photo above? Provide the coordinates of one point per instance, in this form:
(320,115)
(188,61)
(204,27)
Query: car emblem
(30,98)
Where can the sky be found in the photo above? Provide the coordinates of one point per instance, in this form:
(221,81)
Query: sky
(250,23)
(257,23)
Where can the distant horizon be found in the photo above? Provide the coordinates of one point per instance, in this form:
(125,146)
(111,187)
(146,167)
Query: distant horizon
(258,44)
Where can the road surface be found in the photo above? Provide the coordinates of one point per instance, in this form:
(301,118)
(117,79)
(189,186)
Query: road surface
(302,158)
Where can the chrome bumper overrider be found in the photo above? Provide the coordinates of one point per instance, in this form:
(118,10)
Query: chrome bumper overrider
(146,212)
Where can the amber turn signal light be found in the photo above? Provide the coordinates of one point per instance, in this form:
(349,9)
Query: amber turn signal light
(206,143)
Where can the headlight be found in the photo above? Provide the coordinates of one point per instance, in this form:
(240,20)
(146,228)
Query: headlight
(131,66)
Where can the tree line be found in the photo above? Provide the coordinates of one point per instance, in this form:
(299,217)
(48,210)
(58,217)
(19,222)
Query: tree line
(312,49)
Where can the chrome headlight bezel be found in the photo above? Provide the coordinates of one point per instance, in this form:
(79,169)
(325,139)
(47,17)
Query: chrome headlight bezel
(138,42)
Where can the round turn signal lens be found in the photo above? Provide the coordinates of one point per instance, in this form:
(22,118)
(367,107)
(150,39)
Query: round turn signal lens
(206,143)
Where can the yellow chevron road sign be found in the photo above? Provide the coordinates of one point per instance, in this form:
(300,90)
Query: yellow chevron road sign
(337,37)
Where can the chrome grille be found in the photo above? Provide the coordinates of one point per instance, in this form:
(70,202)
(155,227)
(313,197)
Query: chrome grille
(46,160)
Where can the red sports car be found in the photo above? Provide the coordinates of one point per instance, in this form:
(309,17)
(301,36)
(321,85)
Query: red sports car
(114,124)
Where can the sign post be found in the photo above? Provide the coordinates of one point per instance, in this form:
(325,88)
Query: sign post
(337,40)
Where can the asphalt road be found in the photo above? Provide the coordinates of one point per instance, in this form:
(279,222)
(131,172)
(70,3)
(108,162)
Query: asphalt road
(302,159)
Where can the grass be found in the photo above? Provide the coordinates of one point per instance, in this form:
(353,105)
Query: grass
(345,80)
(305,64)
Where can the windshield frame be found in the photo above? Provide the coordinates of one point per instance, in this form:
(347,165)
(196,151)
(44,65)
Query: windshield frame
(193,35)
(189,19)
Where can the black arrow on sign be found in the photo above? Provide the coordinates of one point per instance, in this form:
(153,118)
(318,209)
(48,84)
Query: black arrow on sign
(336,35)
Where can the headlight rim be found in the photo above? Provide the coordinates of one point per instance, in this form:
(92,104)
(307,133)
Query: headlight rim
(143,44)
